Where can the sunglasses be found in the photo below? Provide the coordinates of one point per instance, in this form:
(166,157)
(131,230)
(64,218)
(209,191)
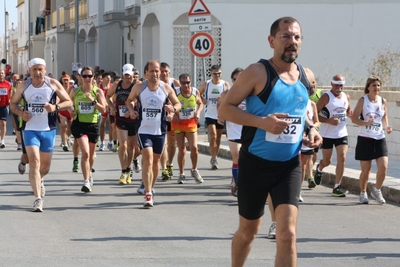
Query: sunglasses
(216,73)
(186,82)
(87,76)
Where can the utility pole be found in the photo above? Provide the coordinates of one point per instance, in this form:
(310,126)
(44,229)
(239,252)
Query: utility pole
(5,31)
(76,31)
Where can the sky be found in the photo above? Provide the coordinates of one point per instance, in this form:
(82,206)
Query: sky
(11,7)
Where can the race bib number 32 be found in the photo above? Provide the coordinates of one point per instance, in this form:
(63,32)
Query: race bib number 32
(290,135)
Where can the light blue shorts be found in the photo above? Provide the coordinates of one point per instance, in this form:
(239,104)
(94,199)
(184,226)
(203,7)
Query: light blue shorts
(42,139)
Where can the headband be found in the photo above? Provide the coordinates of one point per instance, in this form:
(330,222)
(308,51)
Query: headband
(36,61)
(338,82)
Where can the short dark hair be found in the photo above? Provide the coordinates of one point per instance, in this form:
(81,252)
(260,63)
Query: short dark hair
(275,25)
(87,68)
(164,65)
(235,71)
(215,67)
(184,75)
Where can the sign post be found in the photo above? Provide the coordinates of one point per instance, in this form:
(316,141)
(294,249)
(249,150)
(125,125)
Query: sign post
(201,44)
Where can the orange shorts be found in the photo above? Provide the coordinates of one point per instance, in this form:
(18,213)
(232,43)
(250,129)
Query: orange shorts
(184,126)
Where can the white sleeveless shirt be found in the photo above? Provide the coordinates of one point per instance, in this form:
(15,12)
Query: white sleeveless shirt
(376,111)
(335,107)
(151,111)
(213,91)
(35,98)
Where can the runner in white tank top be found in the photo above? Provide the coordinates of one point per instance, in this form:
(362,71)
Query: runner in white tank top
(210,91)
(333,108)
(152,96)
(370,114)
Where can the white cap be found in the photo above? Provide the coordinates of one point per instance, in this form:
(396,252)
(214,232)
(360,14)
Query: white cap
(36,61)
(127,69)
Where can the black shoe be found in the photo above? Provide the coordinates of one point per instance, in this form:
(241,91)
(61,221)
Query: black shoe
(337,192)
(318,176)
(311,182)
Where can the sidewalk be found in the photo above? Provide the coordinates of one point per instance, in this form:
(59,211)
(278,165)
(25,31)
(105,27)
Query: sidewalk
(390,188)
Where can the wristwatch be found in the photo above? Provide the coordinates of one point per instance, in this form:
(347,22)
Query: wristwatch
(57,107)
(94,102)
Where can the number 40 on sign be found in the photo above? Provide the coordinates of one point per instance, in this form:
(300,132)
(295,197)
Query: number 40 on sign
(201,44)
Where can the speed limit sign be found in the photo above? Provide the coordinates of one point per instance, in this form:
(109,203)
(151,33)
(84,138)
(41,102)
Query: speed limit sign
(201,44)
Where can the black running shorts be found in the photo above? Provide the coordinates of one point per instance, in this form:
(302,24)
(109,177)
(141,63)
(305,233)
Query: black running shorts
(369,148)
(258,177)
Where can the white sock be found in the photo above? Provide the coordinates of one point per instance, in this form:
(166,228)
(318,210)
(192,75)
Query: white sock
(336,185)
(376,189)
(86,183)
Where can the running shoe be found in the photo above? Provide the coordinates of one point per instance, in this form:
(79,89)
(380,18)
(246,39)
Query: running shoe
(38,205)
(102,146)
(70,143)
(123,177)
(272,231)
(21,168)
(311,182)
(165,175)
(42,190)
(363,198)
(301,199)
(377,195)
(65,148)
(110,146)
(19,147)
(181,179)
(136,166)
(140,190)
(3,146)
(318,176)
(149,200)
(86,188)
(129,177)
(214,164)
(115,148)
(337,192)
(234,188)
(75,167)
(91,179)
(170,172)
(196,175)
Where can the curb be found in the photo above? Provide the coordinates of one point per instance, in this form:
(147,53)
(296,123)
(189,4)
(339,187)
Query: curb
(328,178)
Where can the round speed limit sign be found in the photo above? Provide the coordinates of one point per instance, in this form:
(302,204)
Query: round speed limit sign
(201,44)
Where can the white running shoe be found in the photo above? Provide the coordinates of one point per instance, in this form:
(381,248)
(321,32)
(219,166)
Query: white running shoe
(377,195)
(272,231)
(363,198)
(196,175)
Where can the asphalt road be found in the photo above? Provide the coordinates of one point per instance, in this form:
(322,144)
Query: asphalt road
(190,225)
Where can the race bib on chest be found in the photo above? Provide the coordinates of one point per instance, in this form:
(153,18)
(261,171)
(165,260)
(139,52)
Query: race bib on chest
(122,110)
(185,114)
(341,117)
(373,128)
(151,114)
(85,107)
(290,135)
(36,109)
(213,101)
(3,91)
